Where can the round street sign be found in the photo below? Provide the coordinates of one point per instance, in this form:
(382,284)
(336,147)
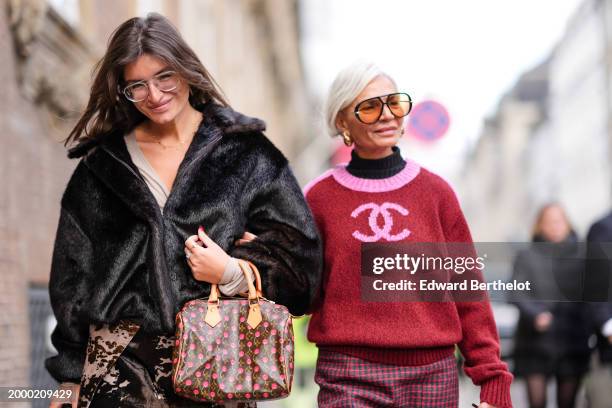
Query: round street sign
(428,121)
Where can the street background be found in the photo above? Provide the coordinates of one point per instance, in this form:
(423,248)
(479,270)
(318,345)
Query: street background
(524,90)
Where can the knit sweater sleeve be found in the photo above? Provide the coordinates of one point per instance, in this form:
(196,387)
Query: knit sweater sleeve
(315,203)
(480,342)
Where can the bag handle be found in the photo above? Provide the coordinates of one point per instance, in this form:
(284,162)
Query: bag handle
(255,271)
(214,290)
(213,317)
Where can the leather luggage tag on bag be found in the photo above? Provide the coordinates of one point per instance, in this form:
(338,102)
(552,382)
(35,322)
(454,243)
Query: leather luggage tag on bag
(254,317)
(212,315)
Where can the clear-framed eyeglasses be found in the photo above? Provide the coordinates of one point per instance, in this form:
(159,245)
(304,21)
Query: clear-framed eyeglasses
(166,81)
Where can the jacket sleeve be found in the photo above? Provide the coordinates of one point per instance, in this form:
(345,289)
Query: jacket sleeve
(71,256)
(598,274)
(287,250)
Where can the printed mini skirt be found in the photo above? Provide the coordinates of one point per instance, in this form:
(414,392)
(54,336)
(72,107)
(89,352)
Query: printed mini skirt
(126,367)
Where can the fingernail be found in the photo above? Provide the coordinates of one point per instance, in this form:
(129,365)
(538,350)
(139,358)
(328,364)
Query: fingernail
(201,228)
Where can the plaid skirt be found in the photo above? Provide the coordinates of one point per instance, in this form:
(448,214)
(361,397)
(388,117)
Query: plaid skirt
(347,381)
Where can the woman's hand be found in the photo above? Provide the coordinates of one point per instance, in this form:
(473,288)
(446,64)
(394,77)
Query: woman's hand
(246,237)
(543,321)
(74,396)
(206,259)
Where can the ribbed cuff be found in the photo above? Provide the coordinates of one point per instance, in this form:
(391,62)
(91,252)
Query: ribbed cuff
(496,391)
(231,272)
(233,280)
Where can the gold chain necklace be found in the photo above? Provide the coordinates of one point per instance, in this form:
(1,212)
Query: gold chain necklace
(177,146)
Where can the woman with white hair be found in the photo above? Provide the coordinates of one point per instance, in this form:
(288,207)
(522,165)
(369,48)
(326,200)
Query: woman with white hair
(391,354)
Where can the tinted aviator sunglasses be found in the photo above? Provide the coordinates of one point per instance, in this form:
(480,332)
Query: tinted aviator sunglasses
(370,110)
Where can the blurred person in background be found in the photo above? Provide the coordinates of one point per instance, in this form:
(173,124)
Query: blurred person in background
(597,288)
(552,337)
(390,354)
(169,180)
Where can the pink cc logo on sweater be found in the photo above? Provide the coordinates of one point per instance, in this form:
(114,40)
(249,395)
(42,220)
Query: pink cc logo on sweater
(385,231)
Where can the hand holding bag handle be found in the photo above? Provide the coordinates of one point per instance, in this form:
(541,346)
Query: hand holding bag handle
(213,316)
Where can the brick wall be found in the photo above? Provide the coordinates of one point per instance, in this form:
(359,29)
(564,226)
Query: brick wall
(34,171)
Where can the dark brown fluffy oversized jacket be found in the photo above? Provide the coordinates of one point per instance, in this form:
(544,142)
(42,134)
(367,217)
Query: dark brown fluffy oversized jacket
(117,256)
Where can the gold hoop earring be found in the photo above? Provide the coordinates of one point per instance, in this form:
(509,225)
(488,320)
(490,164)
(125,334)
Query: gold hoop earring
(346,136)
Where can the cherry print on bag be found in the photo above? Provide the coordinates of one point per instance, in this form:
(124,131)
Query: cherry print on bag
(236,357)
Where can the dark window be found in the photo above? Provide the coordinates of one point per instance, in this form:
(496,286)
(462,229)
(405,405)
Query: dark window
(42,323)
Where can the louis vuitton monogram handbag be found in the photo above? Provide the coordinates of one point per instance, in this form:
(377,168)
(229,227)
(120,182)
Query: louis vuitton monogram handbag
(233,349)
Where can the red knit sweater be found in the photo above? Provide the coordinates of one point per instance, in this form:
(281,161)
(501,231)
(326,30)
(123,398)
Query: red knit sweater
(407,333)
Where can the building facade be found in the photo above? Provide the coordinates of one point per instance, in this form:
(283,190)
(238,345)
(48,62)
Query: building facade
(550,137)
(494,181)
